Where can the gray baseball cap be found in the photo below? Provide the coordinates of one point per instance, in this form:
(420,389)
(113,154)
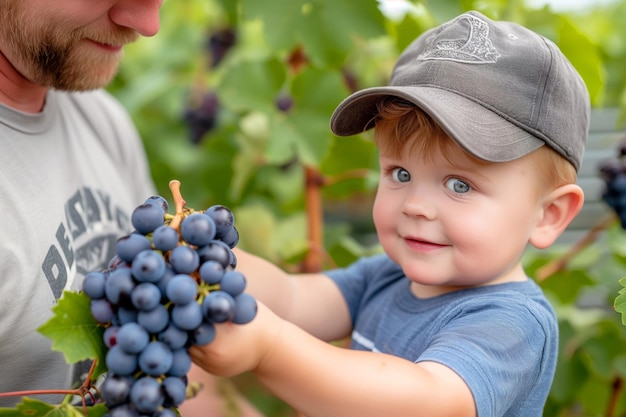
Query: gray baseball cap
(500,90)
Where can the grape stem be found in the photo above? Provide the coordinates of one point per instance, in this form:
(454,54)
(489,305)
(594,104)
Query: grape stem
(179,203)
(83,391)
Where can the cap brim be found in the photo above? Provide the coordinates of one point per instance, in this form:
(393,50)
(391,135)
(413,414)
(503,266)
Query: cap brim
(479,130)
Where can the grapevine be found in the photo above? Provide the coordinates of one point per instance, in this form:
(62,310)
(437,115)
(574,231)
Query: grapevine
(169,282)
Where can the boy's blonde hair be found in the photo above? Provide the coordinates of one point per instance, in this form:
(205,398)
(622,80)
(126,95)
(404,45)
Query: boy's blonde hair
(398,122)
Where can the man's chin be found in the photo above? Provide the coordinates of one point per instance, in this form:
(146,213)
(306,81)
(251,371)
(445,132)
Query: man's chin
(83,81)
(85,69)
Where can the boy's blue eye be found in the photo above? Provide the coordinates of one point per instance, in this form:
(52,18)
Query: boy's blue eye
(458,186)
(400,175)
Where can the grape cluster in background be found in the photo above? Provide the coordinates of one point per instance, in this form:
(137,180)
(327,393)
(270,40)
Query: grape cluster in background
(168,284)
(613,172)
(201,115)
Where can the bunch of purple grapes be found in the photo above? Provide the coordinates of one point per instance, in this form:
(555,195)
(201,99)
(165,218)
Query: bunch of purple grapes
(202,119)
(163,292)
(219,43)
(613,172)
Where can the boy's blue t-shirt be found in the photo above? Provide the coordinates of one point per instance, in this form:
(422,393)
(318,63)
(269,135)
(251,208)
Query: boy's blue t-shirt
(501,339)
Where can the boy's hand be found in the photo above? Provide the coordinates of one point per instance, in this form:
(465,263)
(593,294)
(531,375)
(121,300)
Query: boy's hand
(239,348)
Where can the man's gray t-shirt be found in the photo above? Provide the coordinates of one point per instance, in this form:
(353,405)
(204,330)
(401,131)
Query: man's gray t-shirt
(501,339)
(70,177)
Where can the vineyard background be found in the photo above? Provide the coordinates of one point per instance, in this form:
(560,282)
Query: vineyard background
(234,97)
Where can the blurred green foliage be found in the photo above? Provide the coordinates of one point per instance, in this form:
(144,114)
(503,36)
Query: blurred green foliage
(308,55)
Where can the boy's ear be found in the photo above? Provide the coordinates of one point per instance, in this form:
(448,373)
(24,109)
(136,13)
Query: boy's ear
(559,209)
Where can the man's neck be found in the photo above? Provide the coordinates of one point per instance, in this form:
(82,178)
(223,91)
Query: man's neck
(17,92)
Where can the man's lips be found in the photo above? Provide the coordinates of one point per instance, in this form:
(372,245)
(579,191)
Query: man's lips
(107,46)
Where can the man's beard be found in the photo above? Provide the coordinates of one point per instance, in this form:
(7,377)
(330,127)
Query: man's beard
(48,55)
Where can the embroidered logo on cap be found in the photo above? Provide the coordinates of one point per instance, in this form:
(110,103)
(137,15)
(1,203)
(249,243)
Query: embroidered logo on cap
(464,39)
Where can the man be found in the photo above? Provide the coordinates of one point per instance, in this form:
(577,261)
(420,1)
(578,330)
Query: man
(72,169)
(72,166)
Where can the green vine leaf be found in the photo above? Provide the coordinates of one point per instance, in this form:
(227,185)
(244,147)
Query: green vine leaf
(35,408)
(75,332)
(326,28)
(620,300)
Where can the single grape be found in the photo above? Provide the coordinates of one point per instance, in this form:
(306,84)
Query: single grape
(160,201)
(102,310)
(115,389)
(211,272)
(146,395)
(132,338)
(233,282)
(156,359)
(181,289)
(93,284)
(174,389)
(223,218)
(218,306)
(127,247)
(165,238)
(188,316)
(245,309)
(110,336)
(184,259)
(231,238)
(198,229)
(118,287)
(215,251)
(284,102)
(204,334)
(173,337)
(181,363)
(120,362)
(155,320)
(146,296)
(147,217)
(148,266)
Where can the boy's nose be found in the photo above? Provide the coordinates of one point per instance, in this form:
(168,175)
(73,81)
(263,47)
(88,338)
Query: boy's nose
(140,15)
(419,204)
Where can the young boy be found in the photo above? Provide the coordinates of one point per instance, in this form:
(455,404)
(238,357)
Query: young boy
(480,132)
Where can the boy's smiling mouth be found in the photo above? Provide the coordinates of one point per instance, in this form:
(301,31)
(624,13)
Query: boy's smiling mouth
(422,245)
